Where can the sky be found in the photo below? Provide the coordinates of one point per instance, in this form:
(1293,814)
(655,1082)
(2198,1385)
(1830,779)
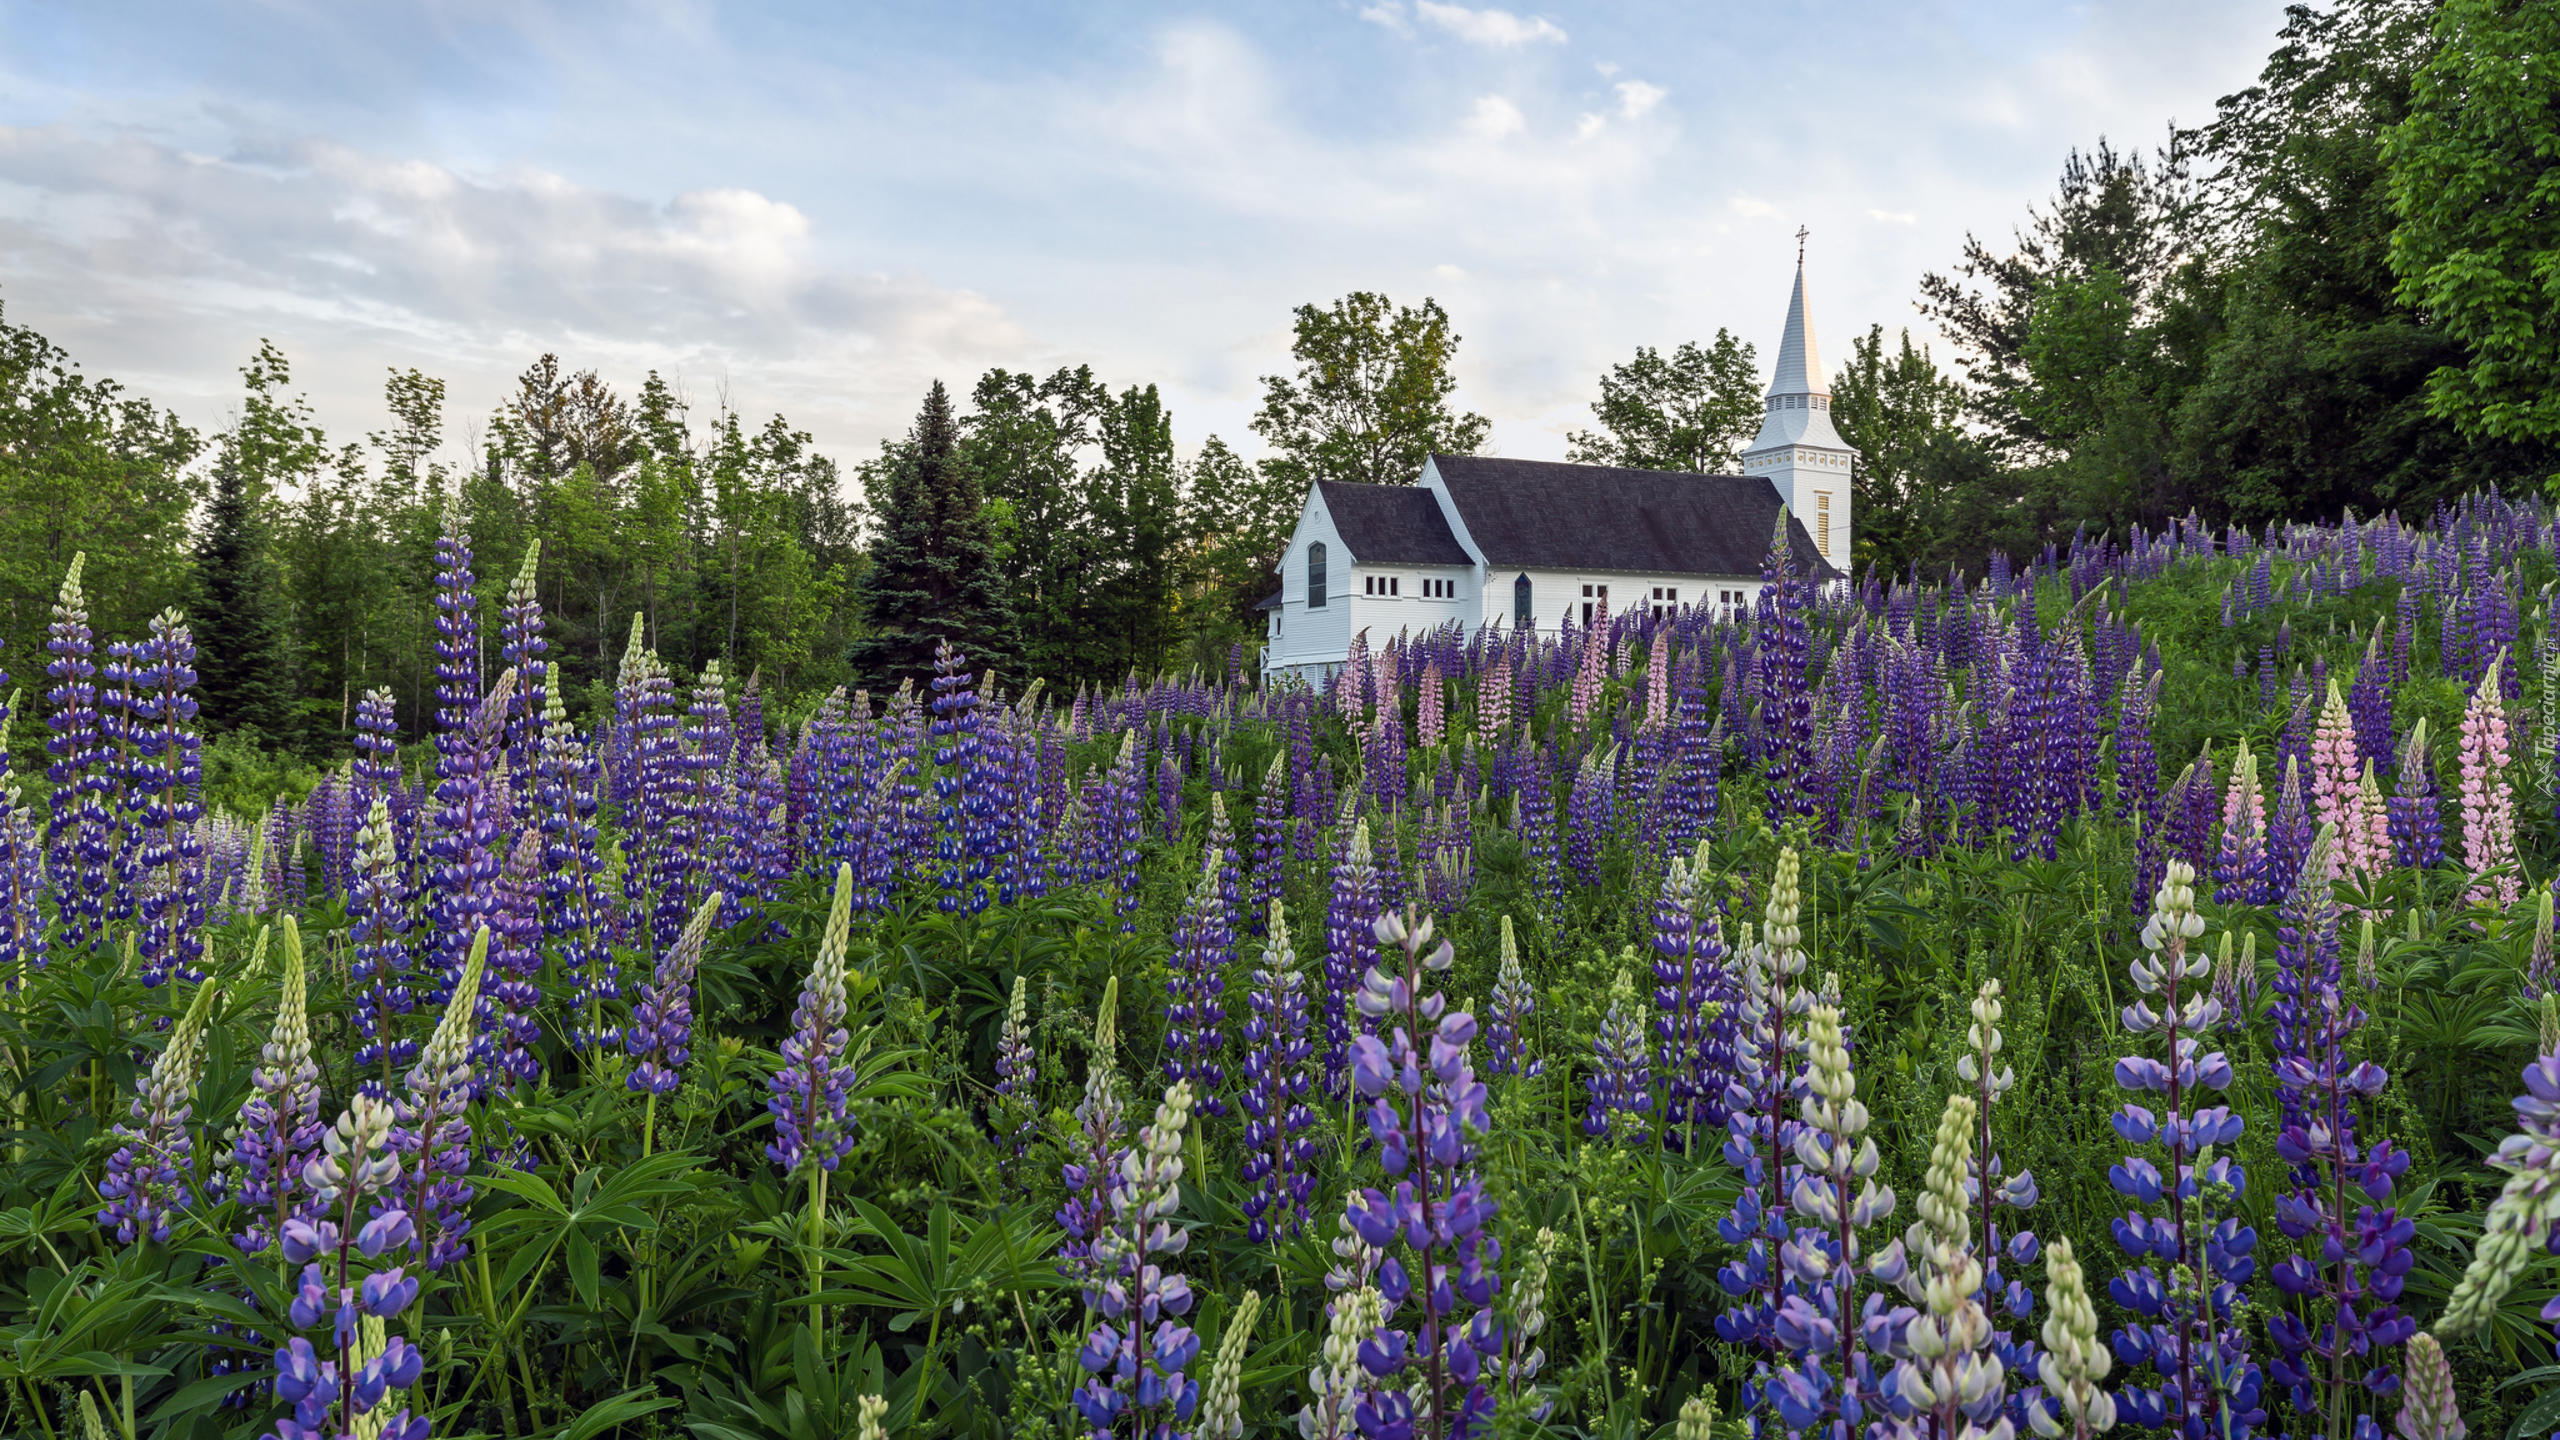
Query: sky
(819,209)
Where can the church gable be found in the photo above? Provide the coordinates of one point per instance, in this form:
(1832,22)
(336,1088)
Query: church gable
(1391,524)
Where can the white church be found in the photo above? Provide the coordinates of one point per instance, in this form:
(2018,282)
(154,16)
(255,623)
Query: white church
(1529,544)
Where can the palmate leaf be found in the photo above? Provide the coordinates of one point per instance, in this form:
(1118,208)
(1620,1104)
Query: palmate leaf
(1004,1255)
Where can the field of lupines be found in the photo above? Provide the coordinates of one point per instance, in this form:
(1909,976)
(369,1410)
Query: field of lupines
(2086,999)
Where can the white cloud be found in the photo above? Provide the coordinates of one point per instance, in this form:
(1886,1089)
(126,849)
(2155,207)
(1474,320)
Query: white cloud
(1752,207)
(1894,217)
(352,262)
(1590,126)
(1636,98)
(1389,15)
(1498,29)
(1494,118)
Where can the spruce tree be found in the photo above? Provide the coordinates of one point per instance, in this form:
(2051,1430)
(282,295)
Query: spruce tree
(246,673)
(932,575)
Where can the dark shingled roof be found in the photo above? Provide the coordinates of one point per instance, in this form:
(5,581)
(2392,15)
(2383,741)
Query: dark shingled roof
(1392,524)
(1546,515)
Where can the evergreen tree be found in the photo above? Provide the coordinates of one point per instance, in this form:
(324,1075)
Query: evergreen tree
(932,576)
(246,678)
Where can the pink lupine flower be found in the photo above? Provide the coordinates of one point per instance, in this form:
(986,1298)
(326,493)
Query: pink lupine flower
(1431,714)
(2333,782)
(1493,701)
(2488,796)
(1657,683)
(1594,669)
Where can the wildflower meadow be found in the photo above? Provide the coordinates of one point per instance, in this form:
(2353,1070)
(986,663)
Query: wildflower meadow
(2114,993)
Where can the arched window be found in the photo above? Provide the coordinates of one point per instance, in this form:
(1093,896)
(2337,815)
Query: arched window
(1524,613)
(1315,576)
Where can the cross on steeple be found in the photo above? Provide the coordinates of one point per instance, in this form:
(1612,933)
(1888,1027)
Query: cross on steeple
(1801,232)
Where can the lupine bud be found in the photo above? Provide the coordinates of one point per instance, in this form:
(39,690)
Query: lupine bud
(2429,1410)
(2073,1361)
(1221,1415)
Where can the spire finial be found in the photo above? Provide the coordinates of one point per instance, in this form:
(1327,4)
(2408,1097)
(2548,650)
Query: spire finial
(1801,232)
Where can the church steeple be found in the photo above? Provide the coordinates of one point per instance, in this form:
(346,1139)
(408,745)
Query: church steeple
(1798,448)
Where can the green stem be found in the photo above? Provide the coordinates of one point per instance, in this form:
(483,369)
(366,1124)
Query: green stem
(817,1250)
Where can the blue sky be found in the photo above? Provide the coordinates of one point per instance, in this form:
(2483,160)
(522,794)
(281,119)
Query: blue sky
(818,208)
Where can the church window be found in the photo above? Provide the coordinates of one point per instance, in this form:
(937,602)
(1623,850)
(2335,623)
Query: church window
(1591,593)
(1524,615)
(1315,576)
(1822,522)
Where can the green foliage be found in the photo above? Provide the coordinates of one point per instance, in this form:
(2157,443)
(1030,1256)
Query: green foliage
(2475,181)
(1370,399)
(85,467)
(1694,411)
(2327,296)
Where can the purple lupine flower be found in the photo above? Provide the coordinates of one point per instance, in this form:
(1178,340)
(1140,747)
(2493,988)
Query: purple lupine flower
(1696,764)
(2348,1274)
(648,784)
(574,917)
(1347,944)
(1271,830)
(1280,1155)
(2191,809)
(659,1035)
(1513,1002)
(1138,1350)
(434,1133)
(2185,1326)
(343,1395)
(2288,834)
(1427,1113)
(2415,818)
(1619,1085)
(1195,1011)
(1095,1153)
(966,822)
(378,915)
(1117,821)
(2138,777)
(810,1120)
(151,1175)
(1017,1090)
(22,881)
(78,839)
(521,647)
(1533,807)
(512,980)
(2369,708)
(377,763)
(280,1125)
(1760,1118)
(2240,871)
(1821,1322)
(1783,679)
(1590,814)
(470,736)
(699,845)
(1168,793)
(163,789)
(1691,1003)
